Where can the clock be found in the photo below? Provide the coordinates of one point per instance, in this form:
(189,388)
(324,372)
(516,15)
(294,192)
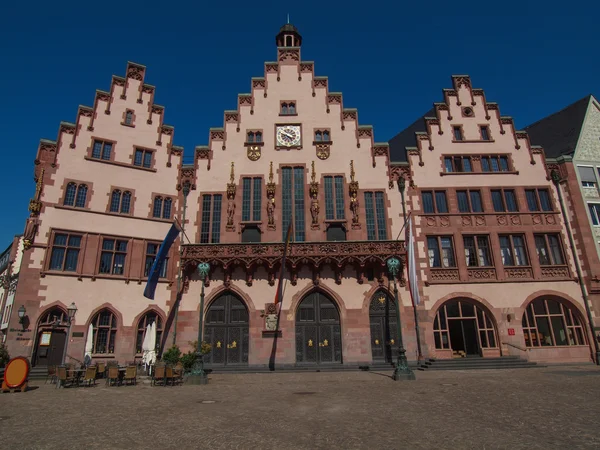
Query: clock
(288,135)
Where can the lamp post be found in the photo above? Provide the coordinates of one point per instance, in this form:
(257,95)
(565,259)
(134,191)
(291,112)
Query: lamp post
(198,375)
(71,311)
(402,371)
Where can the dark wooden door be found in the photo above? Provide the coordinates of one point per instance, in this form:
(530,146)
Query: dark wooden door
(382,318)
(318,331)
(226,329)
(50,355)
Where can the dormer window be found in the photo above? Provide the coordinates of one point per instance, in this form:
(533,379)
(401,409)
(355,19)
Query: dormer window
(458,135)
(289,41)
(322,136)
(254,137)
(288,108)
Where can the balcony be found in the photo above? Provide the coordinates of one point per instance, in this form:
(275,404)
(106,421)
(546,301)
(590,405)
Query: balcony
(361,255)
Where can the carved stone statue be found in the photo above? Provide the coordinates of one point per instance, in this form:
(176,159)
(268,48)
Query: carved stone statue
(230,211)
(271,211)
(271,322)
(354,207)
(314,210)
(30,232)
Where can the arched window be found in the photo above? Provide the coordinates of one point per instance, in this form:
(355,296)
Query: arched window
(284,108)
(318,136)
(81,196)
(115,201)
(70,194)
(548,322)
(258,136)
(250,136)
(126,202)
(129,117)
(167,208)
(157,210)
(292,108)
(148,319)
(326,135)
(52,316)
(105,332)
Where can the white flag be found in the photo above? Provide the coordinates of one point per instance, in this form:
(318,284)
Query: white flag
(412,263)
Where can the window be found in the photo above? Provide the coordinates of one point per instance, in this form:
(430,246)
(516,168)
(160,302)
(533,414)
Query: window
(151,252)
(112,258)
(434,202)
(456,311)
(594,212)
(458,136)
(288,108)
(441,251)
(120,202)
(105,332)
(251,199)
(504,200)
(322,136)
(549,250)
(494,163)
(485,133)
(128,117)
(143,158)
(54,315)
(334,198)
(458,164)
(162,207)
(65,252)
(293,201)
(102,150)
(336,232)
(375,210)
(254,137)
(469,201)
(538,199)
(251,233)
(211,215)
(549,323)
(512,249)
(75,195)
(588,176)
(148,319)
(477,251)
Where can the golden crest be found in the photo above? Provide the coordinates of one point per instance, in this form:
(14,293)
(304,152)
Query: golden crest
(310,343)
(323,151)
(382,299)
(218,344)
(253,152)
(392,341)
(325,343)
(376,341)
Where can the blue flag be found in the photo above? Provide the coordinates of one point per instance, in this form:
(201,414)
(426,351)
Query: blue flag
(163,251)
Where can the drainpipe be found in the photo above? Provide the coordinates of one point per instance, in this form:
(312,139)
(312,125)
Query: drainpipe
(556,180)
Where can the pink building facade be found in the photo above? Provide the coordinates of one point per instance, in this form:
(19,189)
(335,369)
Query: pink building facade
(111,184)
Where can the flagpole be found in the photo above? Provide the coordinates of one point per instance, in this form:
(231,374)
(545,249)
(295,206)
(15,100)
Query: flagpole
(401,188)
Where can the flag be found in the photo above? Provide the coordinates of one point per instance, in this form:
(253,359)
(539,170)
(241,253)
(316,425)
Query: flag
(412,264)
(159,260)
(288,235)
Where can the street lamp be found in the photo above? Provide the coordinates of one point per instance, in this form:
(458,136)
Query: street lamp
(21,313)
(198,375)
(402,371)
(71,311)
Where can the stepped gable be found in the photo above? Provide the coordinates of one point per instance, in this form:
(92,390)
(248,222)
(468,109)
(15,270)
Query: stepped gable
(559,132)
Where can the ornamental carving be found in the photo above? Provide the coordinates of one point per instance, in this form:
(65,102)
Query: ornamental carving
(272,68)
(349,115)
(502,220)
(443,275)
(103,96)
(354,203)
(231,189)
(203,153)
(466,221)
(245,100)
(86,112)
(536,219)
(555,272)
(506,121)
(444,221)
(380,150)
(492,106)
(400,171)
(271,200)
(147,89)
(480,221)
(253,152)
(320,82)
(231,117)
(217,135)
(519,273)
(430,221)
(157,109)
(462,81)
(334,99)
(166,130)
(306,67)
(550,219)
(67,128)
(515,220)
(260,83)
(323,151)
(314,199)
(481,274)
(289,55)
(135,72)
(365,132)
(118,81)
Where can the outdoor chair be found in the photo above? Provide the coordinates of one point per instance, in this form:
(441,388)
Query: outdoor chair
(90,375)
(64,378)
(51,375)
(178,374)
(101,370)
(159,374)
(113,375)
(131,375)
(169,376)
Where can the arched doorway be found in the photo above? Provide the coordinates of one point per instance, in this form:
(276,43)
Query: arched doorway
(552,322)
(226,330)
(318,331)
(382,317)
(51,338)
(464,328)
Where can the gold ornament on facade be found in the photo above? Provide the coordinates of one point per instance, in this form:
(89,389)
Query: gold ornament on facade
(354,203)
(323,151)
(314,199)
(253,152)
(231,189)
(35,205)
(271,200)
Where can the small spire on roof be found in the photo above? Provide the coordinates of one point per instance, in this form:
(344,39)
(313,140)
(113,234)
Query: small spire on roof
(288,18)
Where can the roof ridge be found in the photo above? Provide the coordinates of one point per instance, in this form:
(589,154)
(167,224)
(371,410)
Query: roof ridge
(559,111)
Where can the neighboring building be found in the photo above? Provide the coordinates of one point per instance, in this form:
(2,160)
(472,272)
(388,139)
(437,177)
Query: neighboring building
(571,142)
(111,184)
(498,275)
(10,265)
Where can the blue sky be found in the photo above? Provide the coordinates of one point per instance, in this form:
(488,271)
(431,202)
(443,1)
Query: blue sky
(389,59)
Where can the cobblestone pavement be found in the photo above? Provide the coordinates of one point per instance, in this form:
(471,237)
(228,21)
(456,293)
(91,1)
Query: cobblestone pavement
(553,407)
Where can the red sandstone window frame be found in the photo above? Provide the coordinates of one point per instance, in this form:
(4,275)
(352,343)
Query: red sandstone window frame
(68,246)
(513,254)
(163,198)
(67,182)
(439,248)
(322,136)
(337,200)
(148,264)
(452,159)
(254,137)
(538,200)
(122,192)
(103,141)
(144,151)
(208,218)
(288,108)
(141,329)
(434,193)
(485,129)
(470,201)
(565,315)
(128,118)
(498,158)
(458,134)
(111,331)
(477,247)
(503,191)
(115,251)
(553,258)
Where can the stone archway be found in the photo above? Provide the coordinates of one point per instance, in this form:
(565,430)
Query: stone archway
(50,338)
(318,330)
(226,329)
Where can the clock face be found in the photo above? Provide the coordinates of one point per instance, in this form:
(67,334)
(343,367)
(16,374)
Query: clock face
(288,135)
